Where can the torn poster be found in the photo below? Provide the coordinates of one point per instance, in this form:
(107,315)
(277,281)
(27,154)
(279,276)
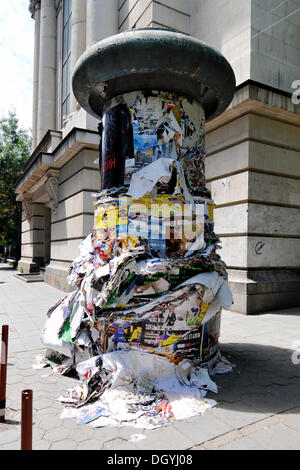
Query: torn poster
(148,283)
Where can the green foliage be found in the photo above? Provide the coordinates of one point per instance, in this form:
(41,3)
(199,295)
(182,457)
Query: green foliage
(15,148)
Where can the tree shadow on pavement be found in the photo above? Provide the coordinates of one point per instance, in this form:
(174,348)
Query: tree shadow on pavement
(266,378)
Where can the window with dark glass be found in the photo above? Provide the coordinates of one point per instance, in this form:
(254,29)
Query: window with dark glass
(66,57)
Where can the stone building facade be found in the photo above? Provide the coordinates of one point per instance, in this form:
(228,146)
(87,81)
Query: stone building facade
(253,162)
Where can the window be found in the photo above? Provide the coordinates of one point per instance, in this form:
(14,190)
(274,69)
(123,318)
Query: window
(66,57)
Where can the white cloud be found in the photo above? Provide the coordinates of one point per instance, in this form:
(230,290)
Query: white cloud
(16,55)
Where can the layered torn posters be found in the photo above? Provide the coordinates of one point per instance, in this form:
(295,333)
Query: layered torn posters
(142,326)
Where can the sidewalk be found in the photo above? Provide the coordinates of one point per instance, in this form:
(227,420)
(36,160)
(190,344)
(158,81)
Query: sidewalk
(258,404)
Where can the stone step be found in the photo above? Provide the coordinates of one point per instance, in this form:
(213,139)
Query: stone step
(35,277)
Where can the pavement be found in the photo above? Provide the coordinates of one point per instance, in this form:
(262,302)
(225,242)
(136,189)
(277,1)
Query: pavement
(258,403)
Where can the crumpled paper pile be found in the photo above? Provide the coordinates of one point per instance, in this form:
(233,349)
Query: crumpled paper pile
(142,326)
(139,390)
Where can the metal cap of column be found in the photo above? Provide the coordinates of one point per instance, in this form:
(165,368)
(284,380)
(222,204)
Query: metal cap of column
(153,59)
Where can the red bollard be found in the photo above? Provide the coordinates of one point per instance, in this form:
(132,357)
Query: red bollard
(26,420)
(3,372)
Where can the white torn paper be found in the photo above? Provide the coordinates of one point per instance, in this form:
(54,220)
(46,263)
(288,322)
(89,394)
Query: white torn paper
(144,181)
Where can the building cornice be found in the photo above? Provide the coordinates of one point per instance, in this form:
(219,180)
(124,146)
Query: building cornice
(42,147)
(41,160)
(255,98)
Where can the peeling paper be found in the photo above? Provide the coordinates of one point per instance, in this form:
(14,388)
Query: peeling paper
(223,366)
(143,181)
(182,400)
(143,323)
(50,333)
(137,437)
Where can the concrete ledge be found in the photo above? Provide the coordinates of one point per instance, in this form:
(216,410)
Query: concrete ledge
(28,278)
(56,276)
(264,290)
(261,303)
(12,262)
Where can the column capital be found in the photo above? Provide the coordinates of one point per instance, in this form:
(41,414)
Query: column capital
(34,5)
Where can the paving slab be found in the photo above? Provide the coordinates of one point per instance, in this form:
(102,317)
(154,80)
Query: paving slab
(244,443)
(238,414)
(263,390)
(278,437)
(168,438)
(292,421)
(203,428)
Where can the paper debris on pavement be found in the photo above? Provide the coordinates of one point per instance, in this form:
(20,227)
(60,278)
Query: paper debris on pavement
(137,437)
(142,325)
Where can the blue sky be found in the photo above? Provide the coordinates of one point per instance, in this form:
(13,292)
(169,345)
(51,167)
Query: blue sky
(16,54)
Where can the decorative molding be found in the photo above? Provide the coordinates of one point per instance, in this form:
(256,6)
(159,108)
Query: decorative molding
(51,186)
(34,5)
(27,205)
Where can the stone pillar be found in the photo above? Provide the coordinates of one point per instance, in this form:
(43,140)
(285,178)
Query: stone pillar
(47,69)
(78,38)
(32,254)
(254,174)
(73,219)
(35,9)
(102,20)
